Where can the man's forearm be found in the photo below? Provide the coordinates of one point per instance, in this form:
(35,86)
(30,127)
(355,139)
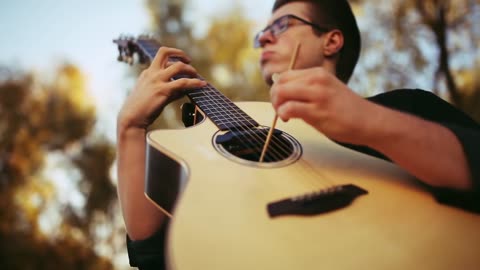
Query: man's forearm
(427,150)
(141,217)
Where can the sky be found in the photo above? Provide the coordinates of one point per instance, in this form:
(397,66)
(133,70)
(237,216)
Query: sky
(41,35)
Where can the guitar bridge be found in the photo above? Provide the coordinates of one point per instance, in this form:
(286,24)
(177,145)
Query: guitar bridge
(322,201)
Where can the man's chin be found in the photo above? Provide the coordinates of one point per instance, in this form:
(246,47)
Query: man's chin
(268,70)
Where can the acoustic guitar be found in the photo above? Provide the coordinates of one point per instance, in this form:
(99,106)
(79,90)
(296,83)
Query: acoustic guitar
(310,204)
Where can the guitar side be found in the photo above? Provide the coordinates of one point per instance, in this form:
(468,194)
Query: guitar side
(219,217)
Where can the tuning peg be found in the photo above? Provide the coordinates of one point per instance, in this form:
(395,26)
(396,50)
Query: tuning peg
(129,60)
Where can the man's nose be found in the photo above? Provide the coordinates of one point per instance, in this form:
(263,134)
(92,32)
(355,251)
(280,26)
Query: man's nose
(265,37)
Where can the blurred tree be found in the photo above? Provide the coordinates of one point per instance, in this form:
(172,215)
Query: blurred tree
(38,120)
(431,44)
(232,62)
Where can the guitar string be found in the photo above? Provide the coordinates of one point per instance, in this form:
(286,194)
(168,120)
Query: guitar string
(257,139)
(273,152)
(248,139)
(280,145)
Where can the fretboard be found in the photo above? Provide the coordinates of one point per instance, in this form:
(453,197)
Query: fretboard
(216,106)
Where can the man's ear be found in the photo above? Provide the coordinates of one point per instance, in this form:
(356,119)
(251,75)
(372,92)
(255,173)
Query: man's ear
(333,43)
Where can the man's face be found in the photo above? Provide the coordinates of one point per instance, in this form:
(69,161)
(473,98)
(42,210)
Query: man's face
(278,50)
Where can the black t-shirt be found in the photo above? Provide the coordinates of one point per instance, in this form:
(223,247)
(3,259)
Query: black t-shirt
(149,253)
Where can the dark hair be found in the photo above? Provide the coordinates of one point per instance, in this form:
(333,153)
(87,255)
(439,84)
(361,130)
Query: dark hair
(338,14)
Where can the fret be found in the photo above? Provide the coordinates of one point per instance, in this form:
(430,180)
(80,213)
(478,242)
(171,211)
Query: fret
(210,111)
(228,118)
(224,118)
(224,112)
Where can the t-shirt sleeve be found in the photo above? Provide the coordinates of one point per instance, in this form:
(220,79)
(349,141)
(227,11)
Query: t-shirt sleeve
(428,106)
(148,253)
(470,140)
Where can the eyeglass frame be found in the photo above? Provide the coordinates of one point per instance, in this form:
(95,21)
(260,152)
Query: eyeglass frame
(282,28)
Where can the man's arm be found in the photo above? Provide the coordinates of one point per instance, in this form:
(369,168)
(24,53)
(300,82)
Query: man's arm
(141,217)
(427,150)
(154,89)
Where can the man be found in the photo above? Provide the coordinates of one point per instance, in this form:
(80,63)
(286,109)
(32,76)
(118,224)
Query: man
(438,151)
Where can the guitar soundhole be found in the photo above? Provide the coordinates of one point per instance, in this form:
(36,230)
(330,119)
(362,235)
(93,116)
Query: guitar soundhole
(246,147)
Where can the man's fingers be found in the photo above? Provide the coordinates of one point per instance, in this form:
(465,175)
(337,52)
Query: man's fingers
(178,68)
(289,91)
(186,83)
(294,109)
(165,53)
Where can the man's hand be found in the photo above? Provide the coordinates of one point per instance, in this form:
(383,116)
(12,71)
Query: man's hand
(320,99)
(155,89)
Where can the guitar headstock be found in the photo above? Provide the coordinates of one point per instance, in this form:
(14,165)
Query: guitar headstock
(141,46)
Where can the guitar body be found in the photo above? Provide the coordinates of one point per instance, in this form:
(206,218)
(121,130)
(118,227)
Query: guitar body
(220,219)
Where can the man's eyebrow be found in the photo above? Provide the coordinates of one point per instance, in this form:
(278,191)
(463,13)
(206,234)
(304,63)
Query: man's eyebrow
(269,22)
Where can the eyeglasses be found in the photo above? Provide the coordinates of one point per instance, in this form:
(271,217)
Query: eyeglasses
(281,25)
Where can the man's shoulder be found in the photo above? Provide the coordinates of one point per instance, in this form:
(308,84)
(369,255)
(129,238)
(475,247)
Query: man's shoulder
(424,104)
(404,94)
(409,100)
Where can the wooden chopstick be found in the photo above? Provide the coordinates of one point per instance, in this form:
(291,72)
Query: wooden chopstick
(293,59)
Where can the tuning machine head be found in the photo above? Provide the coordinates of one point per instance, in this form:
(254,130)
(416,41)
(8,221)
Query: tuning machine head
(141,49)
(125,49)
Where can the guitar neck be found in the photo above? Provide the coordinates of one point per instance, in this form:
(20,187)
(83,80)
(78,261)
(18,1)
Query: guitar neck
(215,105)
